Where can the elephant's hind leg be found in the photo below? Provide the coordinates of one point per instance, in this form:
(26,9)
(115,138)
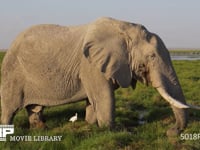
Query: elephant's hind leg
(7,115)
(11,102)
(36,119)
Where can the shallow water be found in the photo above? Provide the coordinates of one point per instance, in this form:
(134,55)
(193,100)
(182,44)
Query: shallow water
(185,57)
(141,116)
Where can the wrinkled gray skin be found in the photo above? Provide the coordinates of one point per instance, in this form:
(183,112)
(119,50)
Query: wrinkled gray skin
(51,65)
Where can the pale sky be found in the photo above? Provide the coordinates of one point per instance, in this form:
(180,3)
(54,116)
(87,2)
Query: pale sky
(177,22)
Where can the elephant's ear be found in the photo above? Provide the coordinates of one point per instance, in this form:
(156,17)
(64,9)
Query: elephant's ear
(108,52)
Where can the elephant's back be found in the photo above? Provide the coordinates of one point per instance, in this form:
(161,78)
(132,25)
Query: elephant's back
(45,37)
(26,45)
(43,43)
(42,38)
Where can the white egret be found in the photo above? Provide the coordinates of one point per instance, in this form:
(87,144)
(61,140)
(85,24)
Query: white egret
(74,118)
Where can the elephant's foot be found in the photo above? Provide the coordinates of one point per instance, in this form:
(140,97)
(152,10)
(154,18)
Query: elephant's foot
(90,115)
(106,123)
(36,118)
(98,117)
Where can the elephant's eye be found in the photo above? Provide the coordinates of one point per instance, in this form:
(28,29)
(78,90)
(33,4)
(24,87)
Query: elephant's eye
(141,65)
(151,57)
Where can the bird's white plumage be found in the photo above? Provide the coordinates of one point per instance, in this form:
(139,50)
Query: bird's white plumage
(74,118)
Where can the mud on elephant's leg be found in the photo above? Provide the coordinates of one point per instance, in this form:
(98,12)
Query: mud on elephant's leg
(36,119)
(90,117)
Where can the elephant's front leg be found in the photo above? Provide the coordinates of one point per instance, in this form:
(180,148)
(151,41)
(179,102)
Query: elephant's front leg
(105,109)
(90,116)
(100,108)
(101,98)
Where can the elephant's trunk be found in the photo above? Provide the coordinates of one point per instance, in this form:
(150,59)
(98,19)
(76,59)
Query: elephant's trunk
(171,91)
(179,108)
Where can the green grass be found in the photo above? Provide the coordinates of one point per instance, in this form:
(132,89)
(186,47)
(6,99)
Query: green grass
(128,134)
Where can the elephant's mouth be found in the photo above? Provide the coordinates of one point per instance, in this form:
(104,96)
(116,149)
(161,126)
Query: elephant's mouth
(144,78)
(145,81)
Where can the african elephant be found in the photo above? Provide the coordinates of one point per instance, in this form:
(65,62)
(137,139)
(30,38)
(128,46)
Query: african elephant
(50,65)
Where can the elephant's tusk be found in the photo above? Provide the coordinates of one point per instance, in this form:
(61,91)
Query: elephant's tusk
(171,100)
(193,107)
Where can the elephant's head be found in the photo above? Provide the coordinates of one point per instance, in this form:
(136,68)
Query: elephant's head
(127,52)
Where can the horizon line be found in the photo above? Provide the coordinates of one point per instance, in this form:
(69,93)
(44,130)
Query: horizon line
(170,49)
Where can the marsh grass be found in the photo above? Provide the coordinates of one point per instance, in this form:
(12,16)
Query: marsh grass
(128,133)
